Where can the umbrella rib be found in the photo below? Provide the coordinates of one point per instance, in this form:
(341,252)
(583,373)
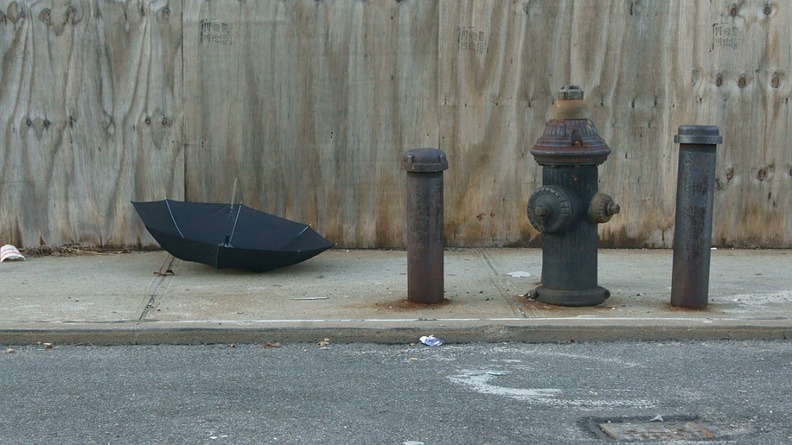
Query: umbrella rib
(301,231)
(295,237)
(173,219)
(233,229)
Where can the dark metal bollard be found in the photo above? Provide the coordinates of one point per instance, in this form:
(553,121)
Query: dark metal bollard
(424,167)
(693,225)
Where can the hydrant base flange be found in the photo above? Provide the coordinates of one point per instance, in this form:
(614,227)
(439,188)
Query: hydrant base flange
(586,297)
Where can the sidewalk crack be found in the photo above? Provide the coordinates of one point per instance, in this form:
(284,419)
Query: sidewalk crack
(510,299)
(157,285)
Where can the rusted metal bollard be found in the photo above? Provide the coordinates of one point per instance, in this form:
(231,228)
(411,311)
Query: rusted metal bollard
(424,167)
(693,225)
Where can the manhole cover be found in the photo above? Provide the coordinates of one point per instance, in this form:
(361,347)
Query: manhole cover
(655,431)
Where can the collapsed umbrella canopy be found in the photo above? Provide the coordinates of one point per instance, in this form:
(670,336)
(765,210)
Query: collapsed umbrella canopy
(229,236)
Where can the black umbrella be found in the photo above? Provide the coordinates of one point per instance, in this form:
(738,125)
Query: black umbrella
(229,236)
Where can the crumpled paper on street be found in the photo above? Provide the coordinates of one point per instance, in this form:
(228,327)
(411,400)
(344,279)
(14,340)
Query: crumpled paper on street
(519,274)
(9,252)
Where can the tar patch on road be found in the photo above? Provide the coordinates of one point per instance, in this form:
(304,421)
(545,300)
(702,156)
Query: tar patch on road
(670,428)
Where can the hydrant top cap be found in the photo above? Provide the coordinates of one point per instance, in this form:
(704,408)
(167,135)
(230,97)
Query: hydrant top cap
(570,137)
(425,160)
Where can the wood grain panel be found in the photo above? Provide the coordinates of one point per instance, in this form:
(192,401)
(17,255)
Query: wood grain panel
(646,67)
(492,108)
(91,118)
(742,87)
(311,106)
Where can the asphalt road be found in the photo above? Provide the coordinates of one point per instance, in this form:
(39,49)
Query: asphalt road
(738,392)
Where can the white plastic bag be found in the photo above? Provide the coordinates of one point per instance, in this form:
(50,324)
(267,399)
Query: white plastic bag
(9,252)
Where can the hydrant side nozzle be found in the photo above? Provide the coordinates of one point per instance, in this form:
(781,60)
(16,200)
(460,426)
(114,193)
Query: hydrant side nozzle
(602,208)
(551,209)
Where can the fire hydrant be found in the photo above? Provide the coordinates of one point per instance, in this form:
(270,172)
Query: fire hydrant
(568,207)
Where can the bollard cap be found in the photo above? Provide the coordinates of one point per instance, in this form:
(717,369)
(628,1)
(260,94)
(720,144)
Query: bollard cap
(424,160)
(698,135)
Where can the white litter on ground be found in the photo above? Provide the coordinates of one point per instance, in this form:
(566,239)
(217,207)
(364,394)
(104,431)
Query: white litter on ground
(752,302)
(9,252)
(518,274)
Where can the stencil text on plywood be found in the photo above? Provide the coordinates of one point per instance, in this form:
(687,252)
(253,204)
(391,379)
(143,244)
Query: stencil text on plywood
(726,35)
(472,39)
(214,31)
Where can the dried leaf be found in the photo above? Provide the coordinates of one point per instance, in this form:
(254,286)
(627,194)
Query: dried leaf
(68,251)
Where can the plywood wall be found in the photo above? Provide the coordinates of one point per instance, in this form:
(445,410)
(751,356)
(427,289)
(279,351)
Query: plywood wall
(91,118)
(311,105)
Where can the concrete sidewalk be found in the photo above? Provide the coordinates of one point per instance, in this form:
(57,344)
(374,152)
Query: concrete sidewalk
(360,296)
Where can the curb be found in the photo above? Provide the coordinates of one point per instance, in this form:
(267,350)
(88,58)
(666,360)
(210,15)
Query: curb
(532,331)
